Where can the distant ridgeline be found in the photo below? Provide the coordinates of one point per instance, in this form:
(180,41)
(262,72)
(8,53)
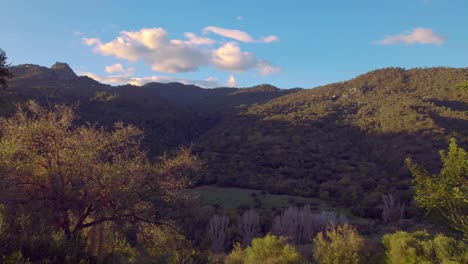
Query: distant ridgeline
(344,142)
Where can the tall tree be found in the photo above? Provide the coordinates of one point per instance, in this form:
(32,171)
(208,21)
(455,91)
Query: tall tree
(446,192)
(81,177)
(5,72)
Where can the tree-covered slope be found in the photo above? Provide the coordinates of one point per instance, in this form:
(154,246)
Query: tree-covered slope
(171,114)
(345,141)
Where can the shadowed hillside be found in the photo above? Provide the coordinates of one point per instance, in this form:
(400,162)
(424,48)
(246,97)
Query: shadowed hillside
(343,142)
(171,114)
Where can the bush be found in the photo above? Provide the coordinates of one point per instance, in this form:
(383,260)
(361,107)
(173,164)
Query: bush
(421,247)
(341,244)
(268,250)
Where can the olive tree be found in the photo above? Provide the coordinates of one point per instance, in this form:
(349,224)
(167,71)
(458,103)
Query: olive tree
(78,177)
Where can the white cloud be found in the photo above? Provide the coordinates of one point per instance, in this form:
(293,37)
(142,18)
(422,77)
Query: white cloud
(231,81)
(194,39)
(209,82)
(270,39)
(230,33)
(153,46)
(231,57)
(114,68)
(240,18)
(238,35)
(416,36)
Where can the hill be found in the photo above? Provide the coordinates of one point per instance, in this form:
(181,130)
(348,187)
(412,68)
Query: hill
(171,114)
(344,142)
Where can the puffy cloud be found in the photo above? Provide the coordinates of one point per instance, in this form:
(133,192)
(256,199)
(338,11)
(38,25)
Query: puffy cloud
(92,41)
(115,68)
(417,36)
(231,81)
(238,35)
(209,82)
(231,57)
(154,47)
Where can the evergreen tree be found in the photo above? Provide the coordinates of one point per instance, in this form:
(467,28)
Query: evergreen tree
(5,72)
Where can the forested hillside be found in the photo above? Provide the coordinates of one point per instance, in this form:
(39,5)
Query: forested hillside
(328,175)
(170,114)
(343,142)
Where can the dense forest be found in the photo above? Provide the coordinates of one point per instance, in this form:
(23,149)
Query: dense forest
(348,172)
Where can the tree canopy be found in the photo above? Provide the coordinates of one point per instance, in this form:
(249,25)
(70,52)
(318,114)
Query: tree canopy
(446,192)
(5,72)
(83,176)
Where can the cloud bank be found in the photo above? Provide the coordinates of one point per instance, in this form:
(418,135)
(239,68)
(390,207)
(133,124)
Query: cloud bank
(416,36)
(154,47)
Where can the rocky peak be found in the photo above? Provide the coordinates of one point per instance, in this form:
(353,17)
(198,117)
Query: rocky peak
(63,71)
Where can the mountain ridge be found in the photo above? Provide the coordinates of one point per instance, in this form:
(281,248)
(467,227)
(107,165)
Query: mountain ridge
(337,141)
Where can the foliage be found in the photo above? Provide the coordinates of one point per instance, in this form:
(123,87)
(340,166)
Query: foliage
(344,142)
(249,226)
(463,86)
(392,209)
(348,149)
(269,250)
(5,72)
(84,176)
(340,244)
(446,192)
(217,232)
(300,225)
(164,245)
(421,247)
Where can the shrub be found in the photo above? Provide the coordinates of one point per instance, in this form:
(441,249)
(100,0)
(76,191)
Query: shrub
(217,232)
(421,247)
(341,244)
(268,250)
(300,225)
(445,193)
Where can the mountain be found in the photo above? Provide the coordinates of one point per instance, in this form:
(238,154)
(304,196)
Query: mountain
(171,114)
(344,142)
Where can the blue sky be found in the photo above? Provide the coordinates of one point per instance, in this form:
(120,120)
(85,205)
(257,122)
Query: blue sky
(243,43)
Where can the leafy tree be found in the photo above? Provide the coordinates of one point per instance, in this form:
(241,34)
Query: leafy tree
(5,72)
(420,247)
(463,86)
(341,244)
(269,250)
(80,177)
(446,192)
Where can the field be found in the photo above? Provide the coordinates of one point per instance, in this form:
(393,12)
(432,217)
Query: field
(229,197)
